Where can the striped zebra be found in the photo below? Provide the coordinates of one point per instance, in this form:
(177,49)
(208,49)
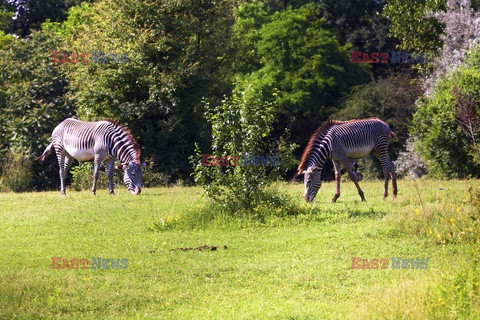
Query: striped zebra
(97,141)
(342,141)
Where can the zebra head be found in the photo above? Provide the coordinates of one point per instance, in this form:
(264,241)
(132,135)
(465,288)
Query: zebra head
(132,176)
(313,182)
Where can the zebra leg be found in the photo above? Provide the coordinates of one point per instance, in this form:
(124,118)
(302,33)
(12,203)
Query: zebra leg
(110,168)
(61,167)
(67,163)
(390,166)
(336,166)
(353,176)
(394,183)
(388,171)
(96,172)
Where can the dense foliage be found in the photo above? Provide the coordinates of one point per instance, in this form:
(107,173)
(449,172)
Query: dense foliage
(306,67)
(290,57)
(32,102)
(447,150)
(241,127)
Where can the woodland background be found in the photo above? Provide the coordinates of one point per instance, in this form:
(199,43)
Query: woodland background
(232,76)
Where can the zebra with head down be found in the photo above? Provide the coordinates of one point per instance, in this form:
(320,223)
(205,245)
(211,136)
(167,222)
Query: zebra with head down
(97,141)
(342,141)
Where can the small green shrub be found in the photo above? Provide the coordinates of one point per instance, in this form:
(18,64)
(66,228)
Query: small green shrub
(242,125)
(82,177)
(447,151)
(152,178)
(270,207)
(16,171)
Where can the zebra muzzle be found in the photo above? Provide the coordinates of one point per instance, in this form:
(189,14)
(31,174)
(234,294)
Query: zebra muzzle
(137,190)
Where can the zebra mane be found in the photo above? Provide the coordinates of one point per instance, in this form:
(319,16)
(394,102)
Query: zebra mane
(129,135)
(318,135)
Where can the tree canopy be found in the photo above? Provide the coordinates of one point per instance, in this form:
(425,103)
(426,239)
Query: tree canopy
(179,56)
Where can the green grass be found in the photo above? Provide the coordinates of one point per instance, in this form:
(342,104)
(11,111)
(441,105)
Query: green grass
(293,267)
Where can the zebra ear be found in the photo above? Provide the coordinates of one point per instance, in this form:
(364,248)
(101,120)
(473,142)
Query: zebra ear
(311,169)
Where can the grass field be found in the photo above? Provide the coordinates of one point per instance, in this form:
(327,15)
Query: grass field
(294,267)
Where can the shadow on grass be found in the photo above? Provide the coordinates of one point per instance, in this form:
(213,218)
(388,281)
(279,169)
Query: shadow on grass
(272,211)
(367,213)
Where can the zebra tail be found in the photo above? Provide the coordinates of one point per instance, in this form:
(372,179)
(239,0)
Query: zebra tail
(45,153)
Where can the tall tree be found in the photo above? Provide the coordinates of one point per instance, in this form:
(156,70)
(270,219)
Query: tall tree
(296,60)
(32,99)
(410,24)
(176,52)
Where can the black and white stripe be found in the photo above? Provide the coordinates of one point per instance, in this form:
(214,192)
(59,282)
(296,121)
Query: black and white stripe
(97,141)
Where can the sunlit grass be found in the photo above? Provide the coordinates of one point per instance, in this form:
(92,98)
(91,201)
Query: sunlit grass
(296,266)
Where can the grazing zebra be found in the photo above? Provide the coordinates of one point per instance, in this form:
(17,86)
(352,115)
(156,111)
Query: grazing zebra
(96,141)
(341,141)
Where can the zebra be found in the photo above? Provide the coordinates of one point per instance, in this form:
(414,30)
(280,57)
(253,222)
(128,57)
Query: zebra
(97,141)
(341,141)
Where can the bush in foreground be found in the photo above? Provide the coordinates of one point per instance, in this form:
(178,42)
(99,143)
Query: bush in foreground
(16,173)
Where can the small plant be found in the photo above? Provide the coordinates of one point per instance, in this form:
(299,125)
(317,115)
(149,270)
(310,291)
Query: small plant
(152,178)
(16,172)
(82,177)
(241,124)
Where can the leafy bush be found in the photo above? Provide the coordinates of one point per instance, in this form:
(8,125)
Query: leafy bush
(241,125)
(447,151)
(82,177)
(31,100)
(152,178)
(16,173)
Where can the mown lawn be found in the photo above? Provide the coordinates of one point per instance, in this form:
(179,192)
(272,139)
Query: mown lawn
(296,267)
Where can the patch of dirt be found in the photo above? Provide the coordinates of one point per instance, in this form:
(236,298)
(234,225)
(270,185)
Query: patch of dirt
(201,248)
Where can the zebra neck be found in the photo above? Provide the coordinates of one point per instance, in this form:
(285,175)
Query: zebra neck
(123,150)
(319,155)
